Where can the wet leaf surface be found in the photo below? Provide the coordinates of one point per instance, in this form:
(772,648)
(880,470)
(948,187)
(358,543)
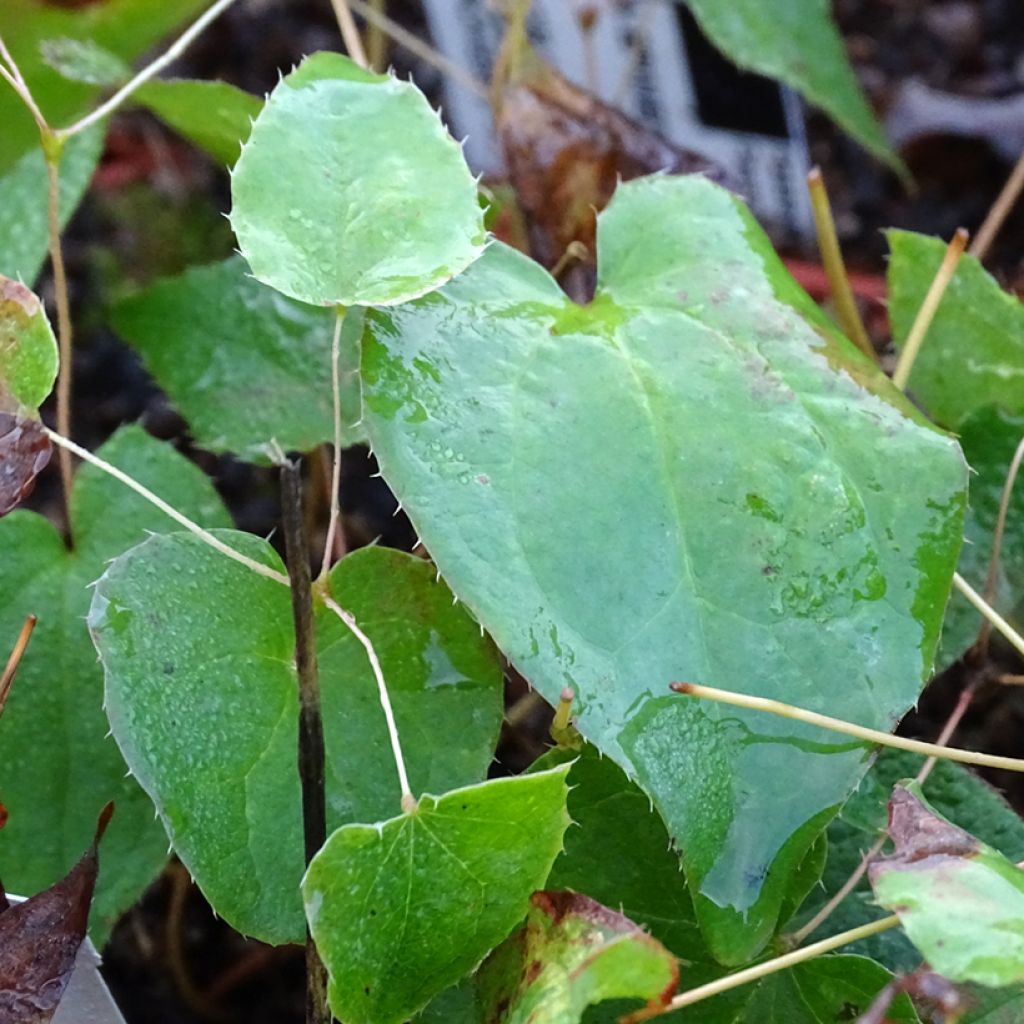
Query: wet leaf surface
(960,901)
(350,190)
(573,953)
(39,940)
(599,485)
(202,698)
(58,761)
(403,909)
(242,363)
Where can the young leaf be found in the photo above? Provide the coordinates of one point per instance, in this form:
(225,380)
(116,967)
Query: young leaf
(215,116)
(39,940)
(242,363)
(82,60)
(203,701)
(350,191)
(974,353)
(402,910)
(796,562)
(58,765)
(960,901)
(797,42)
(570,954)
(24,235)
(954,791)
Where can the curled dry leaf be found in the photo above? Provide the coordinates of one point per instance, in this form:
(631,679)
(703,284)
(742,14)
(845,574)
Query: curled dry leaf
(24,453)
(566,150)
(39,940)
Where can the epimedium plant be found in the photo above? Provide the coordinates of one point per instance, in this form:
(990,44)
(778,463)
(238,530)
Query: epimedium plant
(794,527)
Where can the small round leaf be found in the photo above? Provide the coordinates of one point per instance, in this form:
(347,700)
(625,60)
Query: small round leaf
(350,190)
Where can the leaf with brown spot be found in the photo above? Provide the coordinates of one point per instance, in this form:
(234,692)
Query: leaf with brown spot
(566,150)
(572,953)
(961,902)
(24,453)
(39,940)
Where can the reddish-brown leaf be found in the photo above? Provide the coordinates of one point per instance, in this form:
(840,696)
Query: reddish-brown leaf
(24,452)
(39,940)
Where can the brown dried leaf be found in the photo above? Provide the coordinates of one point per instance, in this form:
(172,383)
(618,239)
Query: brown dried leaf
(39,940)
(566,150)
(24,453)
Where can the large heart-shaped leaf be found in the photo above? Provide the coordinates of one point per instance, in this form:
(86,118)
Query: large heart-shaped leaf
(405,908)
(242,363)
(59,766)
(691,478)
(350,191)
(203,701)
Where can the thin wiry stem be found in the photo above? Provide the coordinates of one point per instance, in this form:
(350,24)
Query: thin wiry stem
(169,510)
(408,800)
(349,32)
(1015,639)
(13,76)
(334,523)
(853,881)
(860,732)
(999,211)
(763,970)
(420,49)
(376,38)
(926,313)
(151,70)
(992,579)
(17,652)
(835,269)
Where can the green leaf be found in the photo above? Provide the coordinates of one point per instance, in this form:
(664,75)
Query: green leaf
(28,349)
(81,60)
(215,116)
(825,990)
(989,437)
(956,792)
(202,699)
(973,355)
(351,192)
(960,901)
(24,235)
(125,28)
(242,363)
(570,954)
(797,42)
(403,909)
(59,767)
(522,432)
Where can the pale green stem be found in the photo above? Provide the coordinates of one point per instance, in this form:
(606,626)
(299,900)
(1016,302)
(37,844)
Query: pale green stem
(1015,639)
(763,970)
(333,525)
(408,800)
(151,70)
(926,313)
(169,510)
(860,732)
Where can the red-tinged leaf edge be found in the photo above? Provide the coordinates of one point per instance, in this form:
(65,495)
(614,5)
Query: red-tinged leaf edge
(24,453)
(39,939)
